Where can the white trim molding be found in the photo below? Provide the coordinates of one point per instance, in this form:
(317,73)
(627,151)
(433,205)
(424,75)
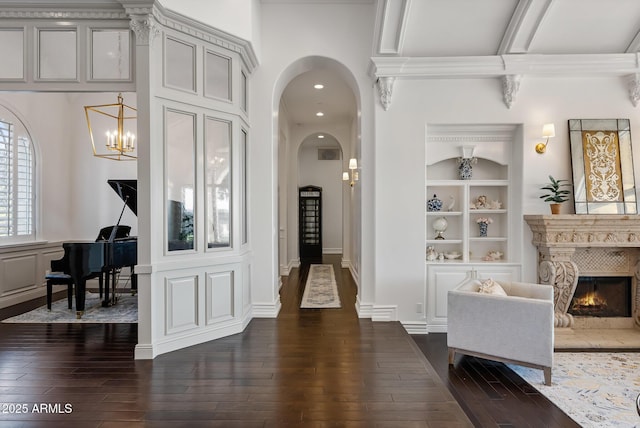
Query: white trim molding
(384,313)
(511,68)
(501,65)
(266,310)
(364,310)
(415,327)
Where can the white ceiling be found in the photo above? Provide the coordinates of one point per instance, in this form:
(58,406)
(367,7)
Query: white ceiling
(493,36)
(435,28)
(302,101)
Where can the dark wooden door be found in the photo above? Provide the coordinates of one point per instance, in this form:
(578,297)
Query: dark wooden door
(310,223)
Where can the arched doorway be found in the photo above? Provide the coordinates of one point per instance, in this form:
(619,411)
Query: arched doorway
(306,110)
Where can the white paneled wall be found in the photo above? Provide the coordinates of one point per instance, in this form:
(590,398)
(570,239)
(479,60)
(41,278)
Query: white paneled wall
(22,271)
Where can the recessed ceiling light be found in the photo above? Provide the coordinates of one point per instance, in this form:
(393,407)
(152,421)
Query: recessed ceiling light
(319,114)
(320,136)
(318,86)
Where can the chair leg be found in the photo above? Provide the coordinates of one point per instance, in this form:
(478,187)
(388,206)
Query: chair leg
(100,284)
(547,376)
(49,293)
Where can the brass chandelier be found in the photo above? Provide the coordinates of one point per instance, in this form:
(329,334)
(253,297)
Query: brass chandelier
(119,140)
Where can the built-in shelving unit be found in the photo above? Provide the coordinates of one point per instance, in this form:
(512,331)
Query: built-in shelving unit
(496,181)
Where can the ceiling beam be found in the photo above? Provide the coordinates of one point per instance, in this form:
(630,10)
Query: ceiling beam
(523,26)
(392,18)
(634,46)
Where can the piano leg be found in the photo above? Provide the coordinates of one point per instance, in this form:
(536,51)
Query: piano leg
(81,286)
(107,288)
(110,276)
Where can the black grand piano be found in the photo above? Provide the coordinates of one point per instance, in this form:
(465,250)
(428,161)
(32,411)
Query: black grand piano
(86,260)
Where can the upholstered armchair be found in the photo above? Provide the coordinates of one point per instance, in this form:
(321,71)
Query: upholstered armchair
(513,327)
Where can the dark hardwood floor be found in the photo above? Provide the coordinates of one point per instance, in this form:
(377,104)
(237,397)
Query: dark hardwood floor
(307,368)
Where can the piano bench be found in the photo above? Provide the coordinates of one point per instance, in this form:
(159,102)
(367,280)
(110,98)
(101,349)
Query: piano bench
(59,278)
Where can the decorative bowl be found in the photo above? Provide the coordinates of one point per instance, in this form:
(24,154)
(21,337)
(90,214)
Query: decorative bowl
(452,255)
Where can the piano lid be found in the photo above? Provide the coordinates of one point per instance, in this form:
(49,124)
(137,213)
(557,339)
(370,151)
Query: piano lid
(128,192)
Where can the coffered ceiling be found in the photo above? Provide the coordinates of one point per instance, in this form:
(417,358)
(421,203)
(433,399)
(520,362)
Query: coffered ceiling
(506,39)
(445,28)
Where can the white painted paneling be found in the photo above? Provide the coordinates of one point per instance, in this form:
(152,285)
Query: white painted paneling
(18,273)
(246,287)
(23,269)
(220,297)
(12,46)
(181,304)
(58,53)
(179,64)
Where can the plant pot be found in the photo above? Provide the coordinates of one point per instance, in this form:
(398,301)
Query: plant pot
(555,208)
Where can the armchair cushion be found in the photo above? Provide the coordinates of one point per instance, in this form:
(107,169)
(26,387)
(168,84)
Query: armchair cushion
(489,286)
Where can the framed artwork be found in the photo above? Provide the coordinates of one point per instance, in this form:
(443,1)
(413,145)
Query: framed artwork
(602,164)
(328,153)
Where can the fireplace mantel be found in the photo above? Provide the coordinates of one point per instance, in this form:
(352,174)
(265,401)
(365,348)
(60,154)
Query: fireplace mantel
(585,230)
(615,240)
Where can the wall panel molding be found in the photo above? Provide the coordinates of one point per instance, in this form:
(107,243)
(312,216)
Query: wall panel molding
(220,297)
(181,304)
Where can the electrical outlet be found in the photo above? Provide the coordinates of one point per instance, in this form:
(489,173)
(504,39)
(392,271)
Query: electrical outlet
(419,308)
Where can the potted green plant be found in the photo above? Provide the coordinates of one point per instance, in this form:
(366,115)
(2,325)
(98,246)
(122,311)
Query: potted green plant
(557,194)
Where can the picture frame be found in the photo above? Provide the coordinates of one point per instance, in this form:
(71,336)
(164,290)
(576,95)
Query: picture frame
(602,165)
(328,153)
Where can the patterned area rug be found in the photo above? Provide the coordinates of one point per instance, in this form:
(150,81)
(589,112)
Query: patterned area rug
(321,290)
(125,311)
(594,389)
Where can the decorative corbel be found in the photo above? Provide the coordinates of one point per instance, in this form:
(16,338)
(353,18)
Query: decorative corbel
(510,87)
(145,28)
(563,276)
(385,88)
(633,85)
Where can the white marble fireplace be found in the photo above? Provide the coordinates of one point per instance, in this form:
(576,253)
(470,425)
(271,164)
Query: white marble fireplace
(570,246)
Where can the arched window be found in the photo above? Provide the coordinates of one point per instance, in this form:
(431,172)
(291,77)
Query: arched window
(17,180)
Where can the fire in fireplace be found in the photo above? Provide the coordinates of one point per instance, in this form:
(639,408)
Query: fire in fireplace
(602,297)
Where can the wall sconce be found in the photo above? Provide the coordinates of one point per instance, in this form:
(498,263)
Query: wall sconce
(352,175)
(548,131)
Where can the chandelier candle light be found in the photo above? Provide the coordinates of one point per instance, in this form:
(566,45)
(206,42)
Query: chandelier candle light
(120,143)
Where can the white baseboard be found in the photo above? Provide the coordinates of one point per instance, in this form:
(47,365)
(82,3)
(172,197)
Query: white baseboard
(384,313)
(266,310)
(436,328)
(148,351)
(364,310)
(415,327)
(332,251)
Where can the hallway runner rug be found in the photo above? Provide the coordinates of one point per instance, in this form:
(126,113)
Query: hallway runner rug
(321,290)
(125,311)
(594,389)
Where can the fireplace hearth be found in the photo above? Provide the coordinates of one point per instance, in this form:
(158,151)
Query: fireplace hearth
(602,297)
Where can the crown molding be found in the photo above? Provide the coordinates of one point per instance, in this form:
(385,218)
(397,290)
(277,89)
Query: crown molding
(91,9)
(509,64)
(471,133)
(510,68)
(139,12)
(199,30)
